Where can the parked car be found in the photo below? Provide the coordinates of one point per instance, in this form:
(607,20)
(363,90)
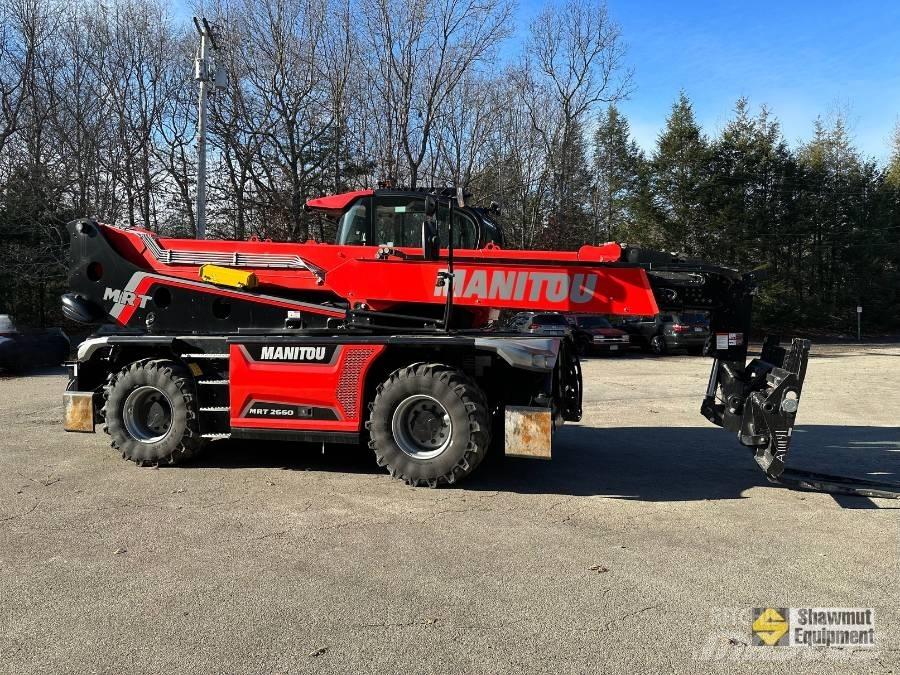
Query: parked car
(593,333)
(20,350)
(543,323)
(667,332)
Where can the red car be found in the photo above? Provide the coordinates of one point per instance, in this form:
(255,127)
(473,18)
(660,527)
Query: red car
(593,333)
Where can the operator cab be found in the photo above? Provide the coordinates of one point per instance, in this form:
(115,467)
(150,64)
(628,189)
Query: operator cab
(395,217)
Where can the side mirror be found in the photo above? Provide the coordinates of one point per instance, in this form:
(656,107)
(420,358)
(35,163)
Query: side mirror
(430,206)
(431,243)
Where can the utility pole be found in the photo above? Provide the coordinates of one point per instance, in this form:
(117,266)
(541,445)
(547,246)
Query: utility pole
(500,166)
(205,72)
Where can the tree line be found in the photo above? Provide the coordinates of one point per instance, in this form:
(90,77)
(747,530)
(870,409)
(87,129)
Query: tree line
(98,112)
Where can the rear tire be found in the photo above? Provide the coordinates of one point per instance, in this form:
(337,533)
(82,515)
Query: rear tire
(150,413)
(658,345)
(429,425)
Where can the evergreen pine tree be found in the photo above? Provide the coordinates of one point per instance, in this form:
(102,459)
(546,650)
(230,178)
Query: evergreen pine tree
(616,175)
(681,170)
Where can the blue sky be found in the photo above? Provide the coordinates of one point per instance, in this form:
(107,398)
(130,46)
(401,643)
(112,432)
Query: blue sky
(802,59)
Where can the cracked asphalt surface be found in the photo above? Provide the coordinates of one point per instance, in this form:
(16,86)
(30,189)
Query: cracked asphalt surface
(641,547)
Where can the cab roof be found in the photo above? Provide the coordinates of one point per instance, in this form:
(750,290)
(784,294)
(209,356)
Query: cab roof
(341,201)
(337,202)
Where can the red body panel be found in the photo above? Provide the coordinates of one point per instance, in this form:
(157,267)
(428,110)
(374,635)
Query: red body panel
(525,285)
(334,386)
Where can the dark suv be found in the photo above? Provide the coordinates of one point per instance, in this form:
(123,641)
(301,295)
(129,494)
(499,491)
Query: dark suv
(663,333)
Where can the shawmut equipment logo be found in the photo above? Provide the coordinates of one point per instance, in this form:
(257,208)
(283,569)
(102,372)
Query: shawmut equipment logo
(814,626)
(770,626)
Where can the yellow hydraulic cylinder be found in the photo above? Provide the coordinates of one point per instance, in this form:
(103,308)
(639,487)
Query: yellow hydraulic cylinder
(226,276)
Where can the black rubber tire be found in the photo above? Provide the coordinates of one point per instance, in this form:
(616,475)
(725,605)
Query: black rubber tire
(182,441)
(695,351)
(468,410)
(658,345)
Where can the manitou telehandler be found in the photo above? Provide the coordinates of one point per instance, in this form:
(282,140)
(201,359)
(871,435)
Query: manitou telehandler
(385,337)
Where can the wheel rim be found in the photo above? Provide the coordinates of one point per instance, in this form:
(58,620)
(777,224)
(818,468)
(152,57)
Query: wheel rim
(421,426)
(147,414)
(658,344)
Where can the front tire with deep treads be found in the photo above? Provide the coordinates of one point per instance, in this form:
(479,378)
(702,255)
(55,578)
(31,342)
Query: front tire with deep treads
(429,424)
(150,413)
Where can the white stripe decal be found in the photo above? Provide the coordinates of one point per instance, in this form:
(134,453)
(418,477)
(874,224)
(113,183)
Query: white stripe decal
(171,256)
(132,284)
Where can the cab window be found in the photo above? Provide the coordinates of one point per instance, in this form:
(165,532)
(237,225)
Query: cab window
(353,225)
(491,231)
(398,221)
(465,234)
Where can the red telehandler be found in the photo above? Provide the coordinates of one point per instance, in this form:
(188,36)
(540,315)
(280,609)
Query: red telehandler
(386,337)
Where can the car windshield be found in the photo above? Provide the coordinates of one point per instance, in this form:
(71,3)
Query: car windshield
(593,322)
(696,319)
(549,320)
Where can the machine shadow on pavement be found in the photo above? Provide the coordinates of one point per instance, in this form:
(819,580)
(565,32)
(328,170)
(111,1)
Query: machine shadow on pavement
(688,463)
(252,454)
(641,463)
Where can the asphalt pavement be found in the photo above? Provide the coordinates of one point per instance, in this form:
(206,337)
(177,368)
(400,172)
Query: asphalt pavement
(641,547)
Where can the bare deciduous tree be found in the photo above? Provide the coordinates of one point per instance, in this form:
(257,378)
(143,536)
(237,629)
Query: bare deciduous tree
(420,52)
